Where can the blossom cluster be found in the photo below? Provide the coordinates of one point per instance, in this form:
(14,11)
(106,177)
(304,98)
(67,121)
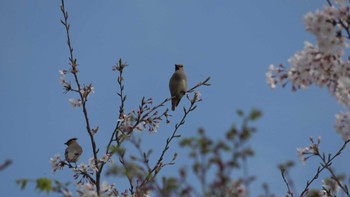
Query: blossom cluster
(141,120)
(323,64)
(84,91)
(88,189)
(57,164)
(237,188)
(319,64)
(66,85)
(85,188)
(342,125)
(309,151)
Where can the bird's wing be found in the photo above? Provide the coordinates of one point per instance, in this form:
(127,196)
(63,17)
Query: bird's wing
(66,153)
(70,154)
(79,150)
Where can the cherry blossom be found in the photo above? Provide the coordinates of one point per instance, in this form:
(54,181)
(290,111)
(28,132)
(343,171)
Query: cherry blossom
(309,151)
(75,103)
(56,162)
(236,189)
(323,64)
(342,125)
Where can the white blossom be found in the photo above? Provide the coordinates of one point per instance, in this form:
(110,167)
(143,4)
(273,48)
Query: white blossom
(62,77)
(331,185)
(141,126)
(56,162)
(67,193)
(342,125)
(92,164)
(86,190)
(105,186)
(304,151)
(87,90)
(154,126)
(109,189)
(309,151)
(342,92)
(340,2)
(319,64)
(312,66)
(75,103)
(82,168)
(126,121)
(237,189)
(320,23)
(323,193)
(270,79)
(146,194)
(91,89)
(197,96)
(105,158)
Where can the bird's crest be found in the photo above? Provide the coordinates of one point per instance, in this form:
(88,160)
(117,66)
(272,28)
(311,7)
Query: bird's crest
(70,140)
(178,66)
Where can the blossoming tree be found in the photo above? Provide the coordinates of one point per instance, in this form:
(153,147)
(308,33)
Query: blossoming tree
(325,64)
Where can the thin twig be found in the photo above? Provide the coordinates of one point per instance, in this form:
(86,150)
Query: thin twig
(92,180)
(74,71)
(335,178)
(5,164)
(344,25)
(327,164)
(145,117)
(121,108)
(144,158)
(205,83)
(322,167)
(155,170)
(122,161)
(283,173)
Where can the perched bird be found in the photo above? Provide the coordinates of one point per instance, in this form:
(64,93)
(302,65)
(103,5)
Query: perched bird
(73,150)
(177,85)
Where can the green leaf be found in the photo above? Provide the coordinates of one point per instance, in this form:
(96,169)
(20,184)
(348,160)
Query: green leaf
(196,167)
(255,114)
(231,133)
(44,184)
(239,112)
(117,149)
(289,164)
(171,184)
(186,142)
(115,171)
(149,176)
(22,183)
(248,152)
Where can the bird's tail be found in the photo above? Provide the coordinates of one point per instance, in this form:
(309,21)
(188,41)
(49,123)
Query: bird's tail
(174,103)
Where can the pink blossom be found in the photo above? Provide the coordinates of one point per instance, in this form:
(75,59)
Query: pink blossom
(75,103)
(342,125)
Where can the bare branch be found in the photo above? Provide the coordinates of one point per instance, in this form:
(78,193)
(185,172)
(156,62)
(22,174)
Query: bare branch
(74,71)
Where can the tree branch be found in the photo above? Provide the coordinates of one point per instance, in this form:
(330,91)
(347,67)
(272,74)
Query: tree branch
(74,71)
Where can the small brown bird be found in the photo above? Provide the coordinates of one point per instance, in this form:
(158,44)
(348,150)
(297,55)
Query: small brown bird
(177,85)
(73,150)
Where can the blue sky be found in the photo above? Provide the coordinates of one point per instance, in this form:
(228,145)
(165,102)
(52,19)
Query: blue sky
(233,42)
